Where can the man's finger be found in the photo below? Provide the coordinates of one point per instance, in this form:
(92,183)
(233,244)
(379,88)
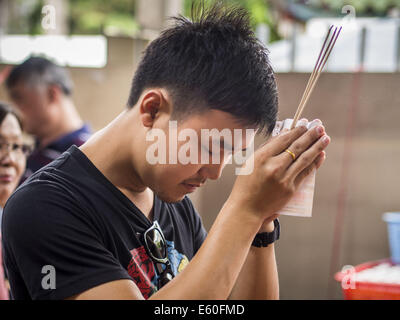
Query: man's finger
(321,158)
(307,171)
(308,157)
(280,143)
(291,154)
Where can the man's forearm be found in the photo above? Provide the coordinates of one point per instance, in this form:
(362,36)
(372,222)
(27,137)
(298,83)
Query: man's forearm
(213,271)
(258,278)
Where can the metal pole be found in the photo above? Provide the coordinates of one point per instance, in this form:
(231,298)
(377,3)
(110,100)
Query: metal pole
(3,20)
(293,48)
(363,42)
(398,49)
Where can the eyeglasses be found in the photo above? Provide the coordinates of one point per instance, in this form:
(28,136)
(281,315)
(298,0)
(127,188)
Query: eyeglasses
(20,149)
(156,247)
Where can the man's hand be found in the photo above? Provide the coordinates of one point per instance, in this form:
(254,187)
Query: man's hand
(276,176)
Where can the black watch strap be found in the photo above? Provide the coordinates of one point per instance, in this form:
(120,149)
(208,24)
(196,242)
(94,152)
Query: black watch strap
(266,238)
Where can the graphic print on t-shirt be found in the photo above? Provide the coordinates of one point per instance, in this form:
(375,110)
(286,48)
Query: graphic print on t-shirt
(178,260)
(142,271)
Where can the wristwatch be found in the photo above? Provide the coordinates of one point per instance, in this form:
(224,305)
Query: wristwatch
(266,238)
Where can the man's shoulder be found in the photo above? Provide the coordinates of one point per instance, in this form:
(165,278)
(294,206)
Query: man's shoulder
(34,208)
(36,195)
(50,187)
(47,171)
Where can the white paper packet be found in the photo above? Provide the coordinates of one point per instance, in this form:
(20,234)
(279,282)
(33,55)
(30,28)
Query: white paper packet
(302,201)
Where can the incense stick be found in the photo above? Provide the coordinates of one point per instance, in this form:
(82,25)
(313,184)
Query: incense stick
(312,74)
(319,66)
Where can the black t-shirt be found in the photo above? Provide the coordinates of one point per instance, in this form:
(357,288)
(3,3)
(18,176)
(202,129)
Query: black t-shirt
(70,221)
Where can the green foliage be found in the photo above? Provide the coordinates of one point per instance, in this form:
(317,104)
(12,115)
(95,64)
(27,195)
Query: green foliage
(259,11)
(36,15)
(95,16)
(25,17)
(84,17)
(363,7)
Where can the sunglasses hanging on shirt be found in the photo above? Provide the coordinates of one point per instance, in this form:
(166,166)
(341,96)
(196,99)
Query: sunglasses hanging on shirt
(156,247)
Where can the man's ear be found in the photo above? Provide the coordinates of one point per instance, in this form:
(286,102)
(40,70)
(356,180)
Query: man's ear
(152,104)
(54,93)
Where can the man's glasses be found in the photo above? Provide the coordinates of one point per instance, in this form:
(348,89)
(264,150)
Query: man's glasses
(19,149)
(156,248)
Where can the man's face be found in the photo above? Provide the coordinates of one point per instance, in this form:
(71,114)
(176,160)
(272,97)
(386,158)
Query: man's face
(33,103)
(176,178)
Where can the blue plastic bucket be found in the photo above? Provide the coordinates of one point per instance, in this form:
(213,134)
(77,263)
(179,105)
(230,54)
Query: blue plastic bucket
(393,222)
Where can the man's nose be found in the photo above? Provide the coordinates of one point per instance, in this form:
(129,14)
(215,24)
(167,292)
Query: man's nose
(212,171)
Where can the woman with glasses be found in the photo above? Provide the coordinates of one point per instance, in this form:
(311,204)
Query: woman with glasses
(13,154)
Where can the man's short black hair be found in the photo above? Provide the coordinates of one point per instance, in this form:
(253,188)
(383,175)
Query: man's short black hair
(211,62)
(39,70)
